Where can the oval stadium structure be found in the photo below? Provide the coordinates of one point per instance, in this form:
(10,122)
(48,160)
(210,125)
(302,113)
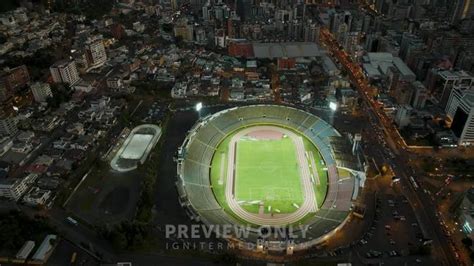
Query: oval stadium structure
(269,166)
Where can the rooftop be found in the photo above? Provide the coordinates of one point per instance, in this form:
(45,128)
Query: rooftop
(290,50)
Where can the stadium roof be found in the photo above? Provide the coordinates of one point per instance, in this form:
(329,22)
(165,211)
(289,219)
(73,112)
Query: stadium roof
(290,50)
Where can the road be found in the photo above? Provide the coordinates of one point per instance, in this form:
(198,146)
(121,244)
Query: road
(424,210)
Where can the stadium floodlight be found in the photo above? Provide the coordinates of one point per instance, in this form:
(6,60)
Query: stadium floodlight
(198,107)
(333,106)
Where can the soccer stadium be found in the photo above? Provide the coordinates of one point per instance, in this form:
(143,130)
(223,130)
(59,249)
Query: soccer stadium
(272,166)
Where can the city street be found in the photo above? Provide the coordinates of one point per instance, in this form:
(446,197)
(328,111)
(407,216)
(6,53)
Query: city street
(422,205)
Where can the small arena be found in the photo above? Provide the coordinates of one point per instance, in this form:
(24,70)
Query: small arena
(267,165)
(136,147)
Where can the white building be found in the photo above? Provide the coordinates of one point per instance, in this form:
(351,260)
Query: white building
(95,54)
(6,144)
(402,117)
(449,80)
(37,196)
(41,91)
(460,109)
(25,250)
(64,71)
(14,188)
(45,249)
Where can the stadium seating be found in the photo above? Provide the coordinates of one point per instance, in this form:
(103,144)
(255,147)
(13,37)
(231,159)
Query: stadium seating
(193,169)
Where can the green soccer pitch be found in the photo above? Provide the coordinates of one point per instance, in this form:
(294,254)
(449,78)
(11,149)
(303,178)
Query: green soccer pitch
(266,170)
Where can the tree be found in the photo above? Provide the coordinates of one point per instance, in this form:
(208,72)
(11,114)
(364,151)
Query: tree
(467,242)
(118,239)
(167,27)
(226,258)
(179,41)
(61,93)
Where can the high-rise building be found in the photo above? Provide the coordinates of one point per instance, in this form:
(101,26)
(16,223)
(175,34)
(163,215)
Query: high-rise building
(14,188)
(64,71)
(95,54)
(461,109)
(11,80)
(447,80)
(8,125)
(184,29)
(402,117)
(420,95)
(205,12)
(340,25)
(41,91)
(461,9)
(409,42)
(311,32)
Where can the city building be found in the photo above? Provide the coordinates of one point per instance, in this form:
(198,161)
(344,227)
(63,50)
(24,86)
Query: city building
(378,65)
(14,188)
(311,32)
(461,9)
(41,91)
(64,71)
(15,78)
(45,249)
(465,213)
(6,144)
(37,197)
(95,54)
(460,109)
(8,125)
(11,80)
(409,43)
(446,81)
(420,95)
(184,30)
(25,250)
(402,117)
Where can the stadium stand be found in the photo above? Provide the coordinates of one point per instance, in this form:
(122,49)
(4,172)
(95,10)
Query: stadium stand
(195,190)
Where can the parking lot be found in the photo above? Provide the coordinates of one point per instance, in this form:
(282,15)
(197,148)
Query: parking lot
(394,236)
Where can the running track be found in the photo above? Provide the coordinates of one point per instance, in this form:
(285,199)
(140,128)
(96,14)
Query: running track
(309,204)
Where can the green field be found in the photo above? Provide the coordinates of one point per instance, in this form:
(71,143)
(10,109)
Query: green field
(267,170)
(278,160)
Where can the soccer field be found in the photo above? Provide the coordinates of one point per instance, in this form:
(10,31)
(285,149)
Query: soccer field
(268,171)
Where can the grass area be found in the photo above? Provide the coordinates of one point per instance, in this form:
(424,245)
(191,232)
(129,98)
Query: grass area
(219,188)
(268,171)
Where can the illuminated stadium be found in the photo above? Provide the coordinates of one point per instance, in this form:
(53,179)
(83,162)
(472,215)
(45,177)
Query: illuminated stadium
(268,166)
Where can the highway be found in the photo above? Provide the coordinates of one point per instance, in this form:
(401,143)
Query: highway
(420,202)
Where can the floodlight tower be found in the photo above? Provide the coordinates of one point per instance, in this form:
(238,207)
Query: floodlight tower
(198,109)
(356,143)
(333,108)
